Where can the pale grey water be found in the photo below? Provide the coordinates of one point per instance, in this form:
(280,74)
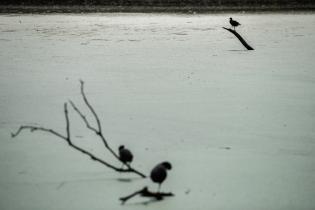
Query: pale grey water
(175,87)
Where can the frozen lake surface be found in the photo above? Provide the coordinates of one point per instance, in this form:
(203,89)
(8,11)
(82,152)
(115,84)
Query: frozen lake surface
(238,126)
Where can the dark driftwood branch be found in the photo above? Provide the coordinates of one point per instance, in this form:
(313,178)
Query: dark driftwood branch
(239,38)
(67,137)
(98,130)
(144,192)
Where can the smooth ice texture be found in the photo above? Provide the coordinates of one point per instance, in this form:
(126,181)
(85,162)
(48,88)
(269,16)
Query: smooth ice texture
(238,126)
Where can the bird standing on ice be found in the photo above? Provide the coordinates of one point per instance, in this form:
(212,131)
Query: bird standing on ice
(234,23)
(159,173)
(125,155)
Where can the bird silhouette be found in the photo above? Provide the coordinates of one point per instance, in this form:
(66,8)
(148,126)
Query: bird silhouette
(159,173)
(125,155)
(234,23)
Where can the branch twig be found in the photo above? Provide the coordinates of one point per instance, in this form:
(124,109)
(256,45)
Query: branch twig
(91,109)
(65,108)
(146,193)
(35,128)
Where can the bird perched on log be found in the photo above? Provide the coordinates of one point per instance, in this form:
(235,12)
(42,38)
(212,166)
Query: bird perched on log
(125,155)
(159,173)
(234,23)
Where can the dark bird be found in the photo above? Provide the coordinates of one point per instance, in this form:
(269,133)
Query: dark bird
(234,23)
(159,173)
(125,155)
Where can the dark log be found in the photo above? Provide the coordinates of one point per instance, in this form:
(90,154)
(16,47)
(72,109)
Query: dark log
(248,47)
(144,192)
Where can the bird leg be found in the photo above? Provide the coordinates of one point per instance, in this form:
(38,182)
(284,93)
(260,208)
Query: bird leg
(159,188)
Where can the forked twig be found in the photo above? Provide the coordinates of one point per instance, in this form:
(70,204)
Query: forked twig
(98,130)
(146,193)
(83,117)
(91,109)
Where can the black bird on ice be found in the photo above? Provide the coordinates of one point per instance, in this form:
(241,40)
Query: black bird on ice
(234,23)
(159,173)
(125,155)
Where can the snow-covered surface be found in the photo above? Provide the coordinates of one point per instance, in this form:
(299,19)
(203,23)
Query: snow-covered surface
(238,126)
